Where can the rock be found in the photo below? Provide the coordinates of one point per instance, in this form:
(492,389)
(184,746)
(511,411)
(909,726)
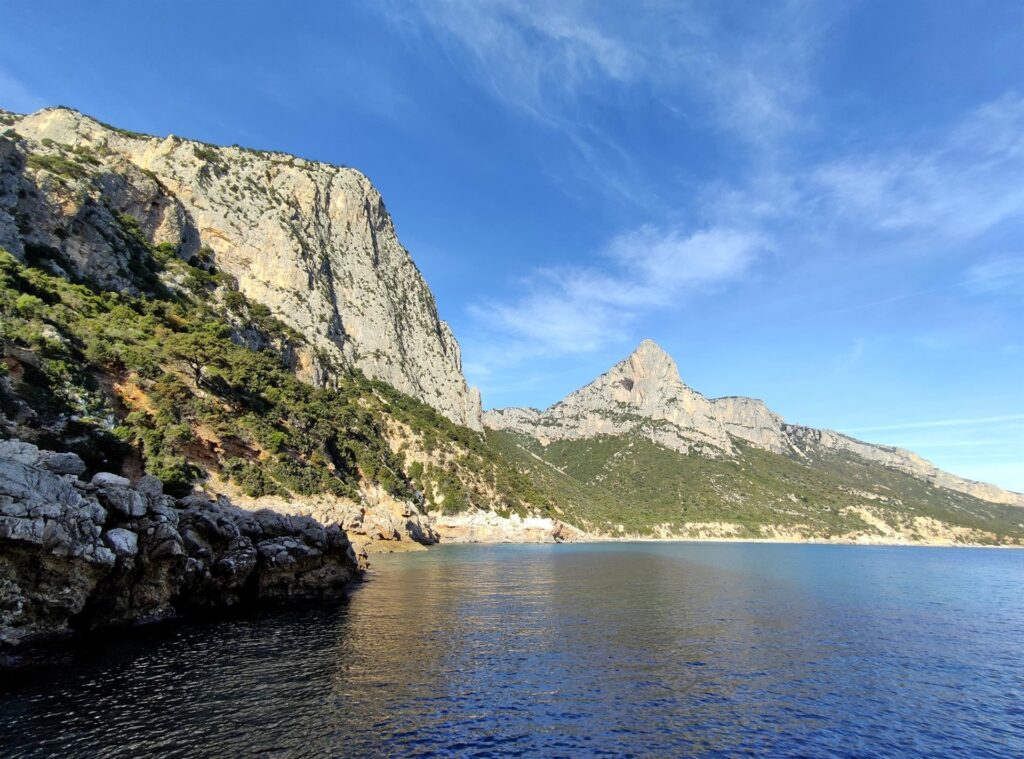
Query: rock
(18,530)
(17,451)
(123,500)
(314,243)
(149,486)
(62,463)
(488,527)
(108,480)
(122,542)
(58,564)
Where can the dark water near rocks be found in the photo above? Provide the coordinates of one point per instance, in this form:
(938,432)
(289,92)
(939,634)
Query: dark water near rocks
(628,649)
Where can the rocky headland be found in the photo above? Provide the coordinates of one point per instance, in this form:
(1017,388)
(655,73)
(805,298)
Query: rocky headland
(77,554)
(311,241)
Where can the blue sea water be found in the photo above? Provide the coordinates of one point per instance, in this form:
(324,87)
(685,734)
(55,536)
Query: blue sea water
(645,649)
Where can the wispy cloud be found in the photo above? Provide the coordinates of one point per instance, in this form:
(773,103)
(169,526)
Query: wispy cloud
(580,309)
(996,274)
(850,358)
(968,183)
(979,420)
(569,65)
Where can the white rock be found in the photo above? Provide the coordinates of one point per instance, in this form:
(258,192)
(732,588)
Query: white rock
(109,480)
(122,542)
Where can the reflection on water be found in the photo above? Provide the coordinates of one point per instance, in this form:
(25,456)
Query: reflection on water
(657,649)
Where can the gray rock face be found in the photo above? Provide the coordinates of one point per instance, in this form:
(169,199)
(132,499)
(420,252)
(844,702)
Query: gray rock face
(311,241)
(645,395)
(122,542)
(77,556)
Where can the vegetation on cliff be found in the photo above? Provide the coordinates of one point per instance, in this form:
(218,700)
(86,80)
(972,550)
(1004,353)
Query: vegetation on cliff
(168,381)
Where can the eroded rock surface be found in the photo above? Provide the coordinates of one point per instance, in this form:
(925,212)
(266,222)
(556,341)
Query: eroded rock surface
(78,555)
(375,523)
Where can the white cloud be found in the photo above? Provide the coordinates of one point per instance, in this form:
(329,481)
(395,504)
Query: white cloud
(569,64)
(850,358)
(978,420)
(580,309)
(531,55)
(965,185)
(996,274)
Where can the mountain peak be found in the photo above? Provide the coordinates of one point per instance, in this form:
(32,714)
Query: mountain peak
(648,346)
(650,360)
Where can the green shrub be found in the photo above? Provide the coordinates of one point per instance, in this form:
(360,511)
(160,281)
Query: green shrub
(57,165)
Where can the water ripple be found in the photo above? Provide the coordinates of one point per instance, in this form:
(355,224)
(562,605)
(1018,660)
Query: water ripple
(638,650)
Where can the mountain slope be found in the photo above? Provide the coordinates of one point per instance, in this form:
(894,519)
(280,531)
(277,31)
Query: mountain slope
(311,241)
(167,382)
(627,485)
(644,395)
(130,340)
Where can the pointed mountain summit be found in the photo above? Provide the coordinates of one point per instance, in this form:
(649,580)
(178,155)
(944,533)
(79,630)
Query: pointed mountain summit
(652,358)
(643,395)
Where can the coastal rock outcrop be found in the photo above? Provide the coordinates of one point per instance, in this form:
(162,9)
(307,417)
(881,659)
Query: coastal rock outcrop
(488,527)
(377,522)
(644,395)
(311,241)
(78,555)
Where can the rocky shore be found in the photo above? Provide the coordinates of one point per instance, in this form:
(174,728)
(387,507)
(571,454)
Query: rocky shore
(78,555)
(488,527)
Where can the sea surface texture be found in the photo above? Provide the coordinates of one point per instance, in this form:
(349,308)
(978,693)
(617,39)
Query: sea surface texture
(648,649)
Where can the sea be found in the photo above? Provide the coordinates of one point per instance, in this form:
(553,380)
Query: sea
(603,649)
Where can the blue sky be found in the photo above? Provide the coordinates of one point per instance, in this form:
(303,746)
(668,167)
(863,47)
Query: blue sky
(820,204)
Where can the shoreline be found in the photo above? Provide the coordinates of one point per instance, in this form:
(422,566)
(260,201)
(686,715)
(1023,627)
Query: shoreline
(597,539)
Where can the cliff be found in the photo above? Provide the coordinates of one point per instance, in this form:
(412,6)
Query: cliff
(312,242)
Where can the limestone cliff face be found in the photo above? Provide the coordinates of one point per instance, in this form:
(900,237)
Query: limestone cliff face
(644,395)
(311,241)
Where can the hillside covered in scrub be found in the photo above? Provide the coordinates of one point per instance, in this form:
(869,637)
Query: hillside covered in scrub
(691,466)
(187,379)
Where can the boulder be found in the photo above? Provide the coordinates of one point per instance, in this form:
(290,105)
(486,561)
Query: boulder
(122,542)
(123,500)
(109,480)
(61,463)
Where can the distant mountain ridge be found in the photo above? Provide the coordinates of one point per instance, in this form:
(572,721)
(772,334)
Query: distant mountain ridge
(644,395)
